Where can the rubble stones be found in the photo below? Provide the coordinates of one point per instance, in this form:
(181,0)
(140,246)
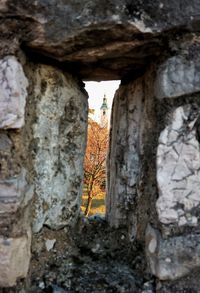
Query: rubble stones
(49,243)
(110,268)
(174,257)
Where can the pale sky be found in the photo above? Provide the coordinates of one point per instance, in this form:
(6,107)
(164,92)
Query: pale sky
(96,91)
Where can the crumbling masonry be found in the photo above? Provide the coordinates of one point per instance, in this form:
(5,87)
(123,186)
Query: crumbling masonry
(47,48)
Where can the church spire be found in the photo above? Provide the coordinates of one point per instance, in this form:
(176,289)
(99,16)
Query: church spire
(104,105)
(104,113)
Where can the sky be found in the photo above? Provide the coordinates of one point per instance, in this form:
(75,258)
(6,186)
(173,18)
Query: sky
(96,91)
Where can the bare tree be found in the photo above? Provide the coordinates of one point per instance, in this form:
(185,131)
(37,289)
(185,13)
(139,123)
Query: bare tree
(95,161)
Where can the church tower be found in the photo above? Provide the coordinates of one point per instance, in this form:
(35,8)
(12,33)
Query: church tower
(104,113)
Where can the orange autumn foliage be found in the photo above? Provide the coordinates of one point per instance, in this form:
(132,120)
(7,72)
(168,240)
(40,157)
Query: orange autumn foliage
(95,161)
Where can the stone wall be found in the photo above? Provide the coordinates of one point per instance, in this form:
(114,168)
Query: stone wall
(153,166)
(154,156)
(173,247)
(41,160)
(15,190)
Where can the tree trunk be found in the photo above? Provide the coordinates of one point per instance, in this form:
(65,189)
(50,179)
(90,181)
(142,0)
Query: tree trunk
(89,203)
(90,195)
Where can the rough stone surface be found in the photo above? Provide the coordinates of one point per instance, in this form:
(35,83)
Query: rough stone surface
(14,193)
(178,165)
(131,183)
(178,76)
(97,259)
(188,283)
(128,32)
(8,158)
(15,190)
(14,259)
(123,157)
(3,6)
(15,197)
(50,244)
(174,257)
(13,84)
(101,40)
(58,146)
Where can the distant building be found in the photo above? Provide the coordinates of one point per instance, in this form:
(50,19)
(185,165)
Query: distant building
(104,113)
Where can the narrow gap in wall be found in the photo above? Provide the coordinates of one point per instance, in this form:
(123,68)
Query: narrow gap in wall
(100,95)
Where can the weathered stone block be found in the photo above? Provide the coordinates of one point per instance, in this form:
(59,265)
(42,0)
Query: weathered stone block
(13,84)
(58,147)
(178,76)
(3,6)
(123,157)
(178,168)
(14,259)
(67,31)
(174,257)
(14,193)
